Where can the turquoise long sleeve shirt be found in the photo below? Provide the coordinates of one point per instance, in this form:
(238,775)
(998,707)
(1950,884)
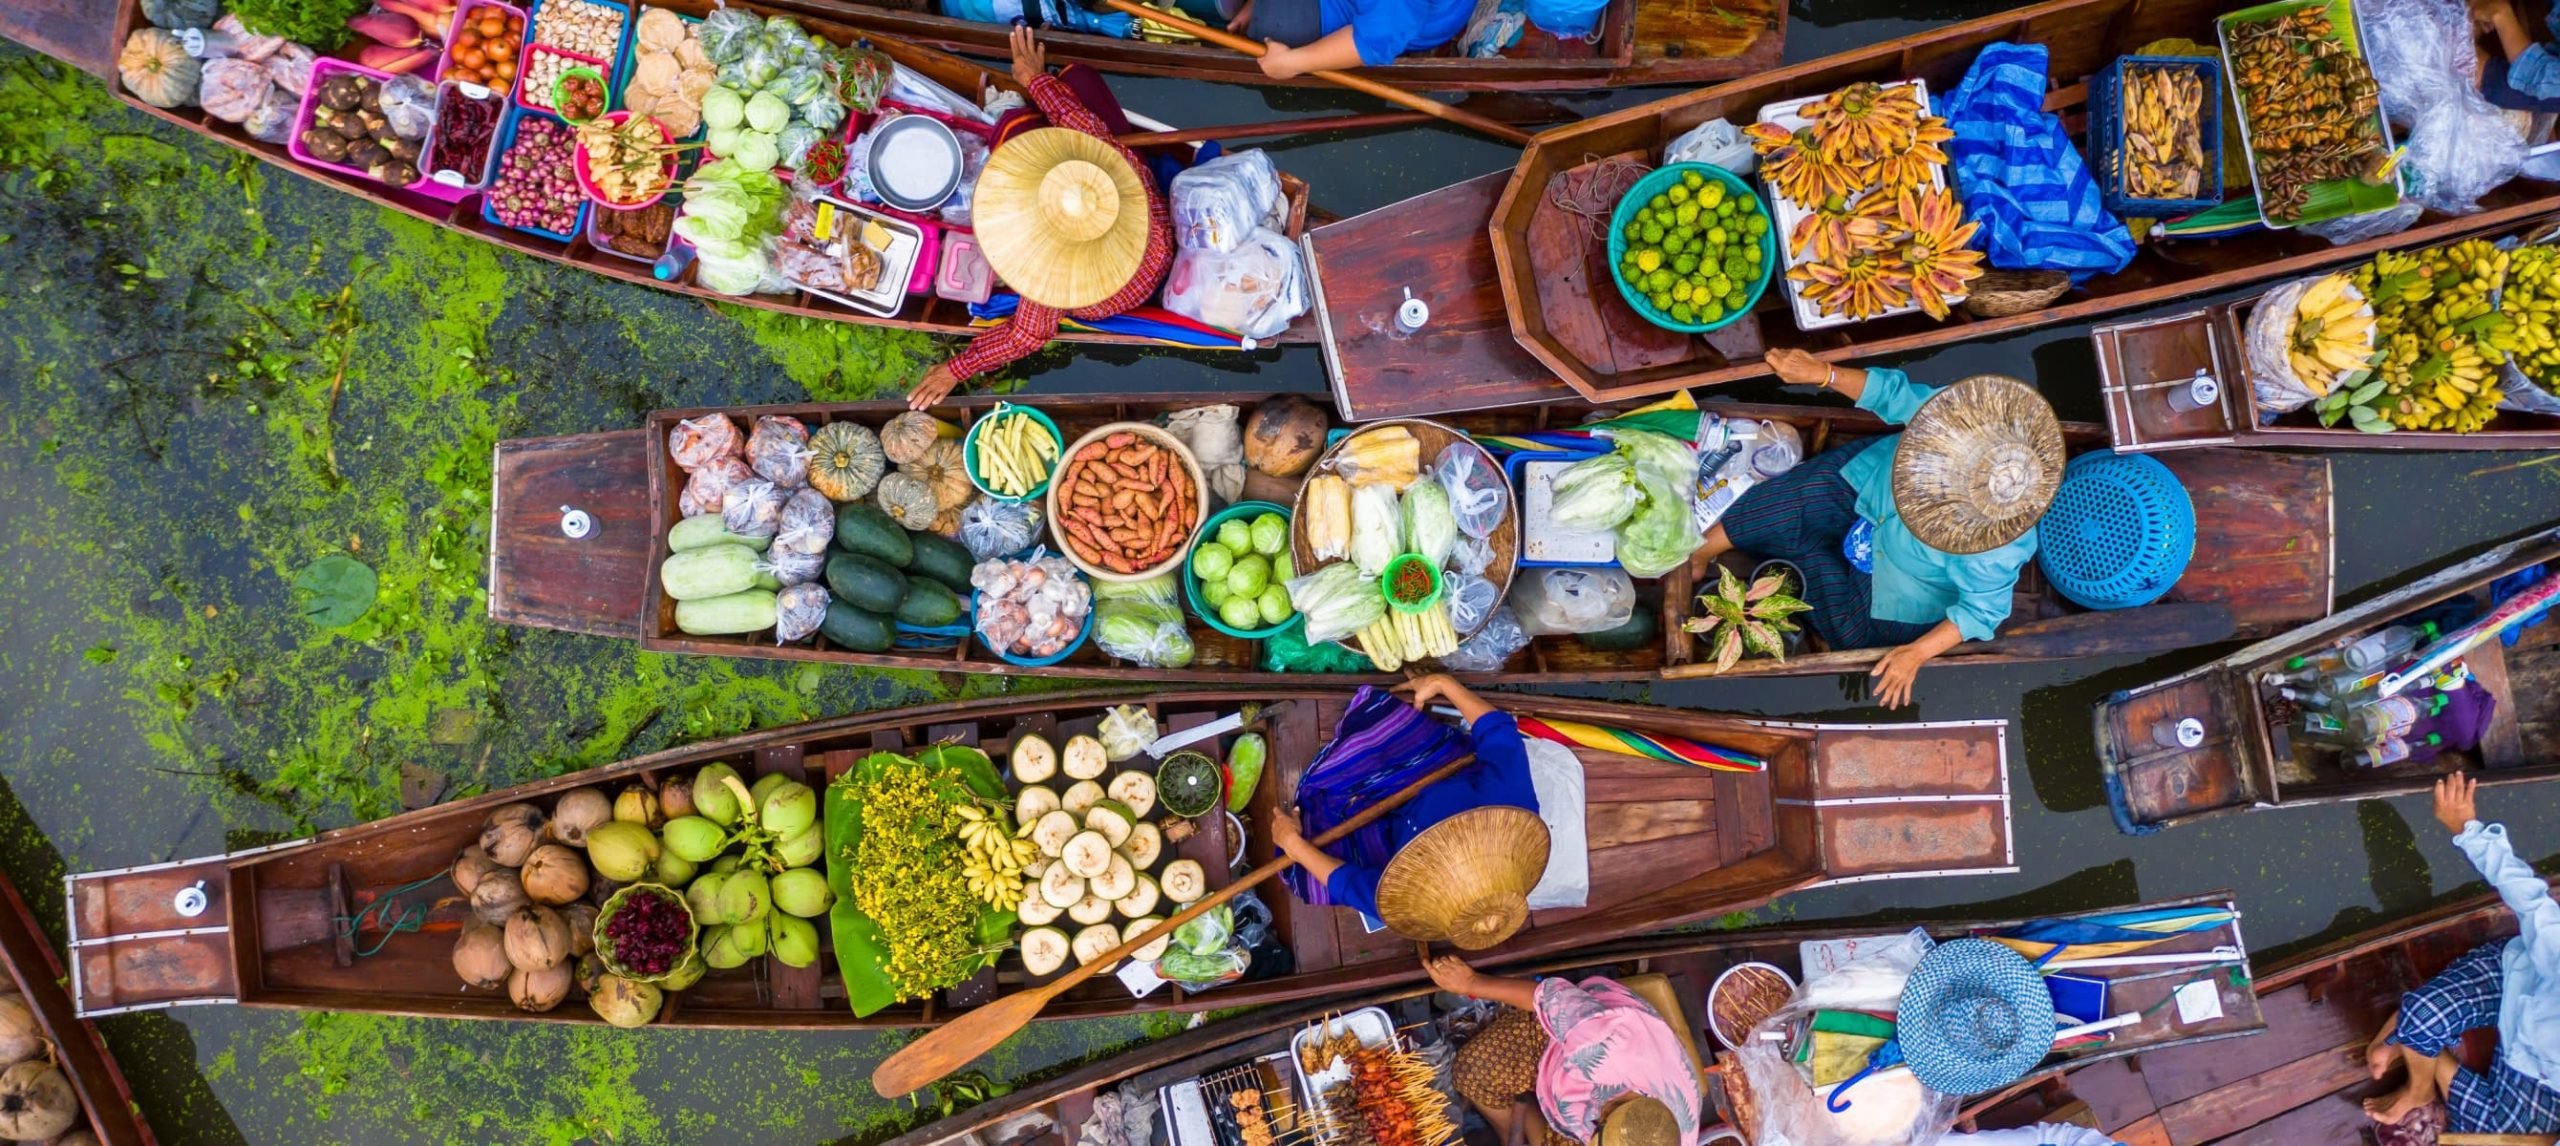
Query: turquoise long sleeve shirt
(2529,966)
(1913,582)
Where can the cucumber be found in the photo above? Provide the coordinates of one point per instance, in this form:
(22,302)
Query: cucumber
(705,529)
(863,529)
(865,583)
(940,558)
(711,571)
(929,604)
(1641,630)
(855,629)
(745,611)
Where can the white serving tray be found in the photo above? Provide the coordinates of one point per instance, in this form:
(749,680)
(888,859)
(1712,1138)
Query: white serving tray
(1785,214)
(1373,1026)
(1545,543)
(897,264)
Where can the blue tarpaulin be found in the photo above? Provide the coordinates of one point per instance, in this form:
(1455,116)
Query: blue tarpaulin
(2021,178)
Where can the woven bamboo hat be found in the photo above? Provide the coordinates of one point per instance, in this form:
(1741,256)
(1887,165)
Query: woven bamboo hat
(1061,217)
(1977,465)
(1465,879)
(1639,1121)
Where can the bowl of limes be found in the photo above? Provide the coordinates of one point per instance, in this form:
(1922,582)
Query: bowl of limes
(1693,246)
(1235,576)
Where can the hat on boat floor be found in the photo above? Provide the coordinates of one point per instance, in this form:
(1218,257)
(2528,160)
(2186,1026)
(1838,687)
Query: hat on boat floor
(1465,879)
(1640,1121)
(1977,465)
(1061,217)
(1975,1016)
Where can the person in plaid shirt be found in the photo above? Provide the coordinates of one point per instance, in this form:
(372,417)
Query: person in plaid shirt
(1035,321)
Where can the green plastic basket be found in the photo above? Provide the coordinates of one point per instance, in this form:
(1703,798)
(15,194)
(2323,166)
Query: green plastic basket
(969,451)
(1387,584)
(1658,182)
(1247,510)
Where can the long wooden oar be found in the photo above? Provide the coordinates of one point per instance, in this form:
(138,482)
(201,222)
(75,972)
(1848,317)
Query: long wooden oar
(949,1047)
(1387,92)
(1360,122)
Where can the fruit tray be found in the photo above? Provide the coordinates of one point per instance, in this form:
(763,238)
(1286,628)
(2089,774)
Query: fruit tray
(302,115)
(2335,198)
(2107,146)
(1785,213)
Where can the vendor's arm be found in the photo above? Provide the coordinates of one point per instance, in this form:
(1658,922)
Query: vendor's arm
(1346,884)
(1453,975)
(1892,678)
(1336,51)
(1888,394)
(1440,686)
(999,346)
(1493,733)
(2526,894)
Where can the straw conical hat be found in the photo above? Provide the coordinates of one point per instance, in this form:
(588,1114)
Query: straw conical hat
(1640,1121)
(1465,879)
(1061,217)
(1978,465)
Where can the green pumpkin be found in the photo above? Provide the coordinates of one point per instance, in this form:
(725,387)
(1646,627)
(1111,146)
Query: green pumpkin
(158,70)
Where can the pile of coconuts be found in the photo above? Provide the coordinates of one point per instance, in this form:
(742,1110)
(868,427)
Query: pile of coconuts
(37,1103)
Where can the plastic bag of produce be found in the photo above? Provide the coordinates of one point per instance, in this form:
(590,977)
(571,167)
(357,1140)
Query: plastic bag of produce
(1469,599)
(1216,438)
(778,451)
(1491,646)
(1288,651)
(1429,528)
(232,89)
(791,568)
(797,610)
(1572,601)
(707,491)
(861,75)
(973,163)
(2460,146)
(290,68)
(808,523)
(795,142)
(698,440)
(409,103)
(1126,731)
(990,528)
(1470,556)
(752,508)
(1255,290)
(1595,494)
(1217,205)
(1716,143)
(2270,336)
(1336,601)
(1663,531)
(1377,528)
(1141,622)
(272,122)
(1476,489)
(726,32)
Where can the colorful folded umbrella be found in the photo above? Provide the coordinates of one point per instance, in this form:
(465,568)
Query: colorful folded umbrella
(1676,416)
(1628,742)
(2110,934)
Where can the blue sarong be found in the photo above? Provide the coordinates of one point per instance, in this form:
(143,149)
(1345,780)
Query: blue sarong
(2021,178)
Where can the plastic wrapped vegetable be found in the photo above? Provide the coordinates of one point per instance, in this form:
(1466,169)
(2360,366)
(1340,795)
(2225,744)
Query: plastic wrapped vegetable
(1429,528)
(698,440)
(1208,934)
(1141,622)
(409,105)
(1031,608)
(272,122)
(1288,651)
(990,528)
(1572,600)
(797,610)
(794,143)
(752,509)
(1377,528)
(798,84)
(808,523)
(1126,731)
(1217,205)
(1476,489)
(233,89)
(788,568)
(862,74)
(1336,601)
(778,451)
(291,67)
(1662,532)
(726,32)
(1595,494)
(1469,599)
(1256,290)
(1491,646)
(707,491)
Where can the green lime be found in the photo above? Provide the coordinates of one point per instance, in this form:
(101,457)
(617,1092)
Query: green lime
(1658,280)
(1712,194)
(1751,206)
(1660,203)
(1680,312)
(1687,214)
(1675,243)
(1661,300)
(1653,232)
(1717,236)
(1680,292)
(1648,261)
(1733,301)
(1685,264)
(1677,193)
(1714,313)
(1692,180)
(1633,230)
(1758,225)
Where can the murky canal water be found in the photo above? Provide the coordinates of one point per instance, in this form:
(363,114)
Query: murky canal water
(215,374)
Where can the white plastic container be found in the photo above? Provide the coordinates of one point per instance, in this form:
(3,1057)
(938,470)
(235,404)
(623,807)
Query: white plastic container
(1785,213)
(1373,1026)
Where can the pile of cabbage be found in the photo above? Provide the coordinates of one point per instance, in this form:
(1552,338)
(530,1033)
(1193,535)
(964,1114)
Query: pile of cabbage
(731,214)
(776,89)
(1638,491)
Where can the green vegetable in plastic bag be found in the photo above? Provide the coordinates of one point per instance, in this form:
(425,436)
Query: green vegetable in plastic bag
(1208,934)
(1662,532)
(1140,622)
(1594,494)
(1377,528)
(1199,971)
(1430,529)
(1289,652)
(1336,601)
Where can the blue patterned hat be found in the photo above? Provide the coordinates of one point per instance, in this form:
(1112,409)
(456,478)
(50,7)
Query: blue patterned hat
(1974,1017)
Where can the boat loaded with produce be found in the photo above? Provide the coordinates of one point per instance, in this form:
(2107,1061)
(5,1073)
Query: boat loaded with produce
(1252,539)
(714,150)
(895,867)
(2058,163)
(58,1083)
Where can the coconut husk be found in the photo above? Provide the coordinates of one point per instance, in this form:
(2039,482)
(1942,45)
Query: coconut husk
(1977,465)
(1466,879)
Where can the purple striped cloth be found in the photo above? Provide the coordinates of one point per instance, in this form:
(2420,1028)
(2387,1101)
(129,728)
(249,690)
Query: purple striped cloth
(1381,745)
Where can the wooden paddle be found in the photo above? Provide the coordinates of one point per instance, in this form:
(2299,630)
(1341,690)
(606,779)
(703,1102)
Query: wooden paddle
(1361,122)
(1387,92)
(2113,632)
(952,1045)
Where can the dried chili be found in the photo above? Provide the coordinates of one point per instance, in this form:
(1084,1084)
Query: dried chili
(1412,583)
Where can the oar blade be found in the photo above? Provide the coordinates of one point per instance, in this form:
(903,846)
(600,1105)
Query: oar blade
(946,1048)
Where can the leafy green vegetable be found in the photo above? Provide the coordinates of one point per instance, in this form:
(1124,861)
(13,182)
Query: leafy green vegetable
(335,590)
(318,24)
(861,955)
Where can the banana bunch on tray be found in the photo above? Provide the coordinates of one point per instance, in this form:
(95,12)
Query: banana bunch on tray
(2332,333)
(996,857)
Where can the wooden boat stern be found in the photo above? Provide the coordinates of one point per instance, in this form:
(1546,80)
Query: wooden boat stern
(569,541)
(1900,801)
(145,938)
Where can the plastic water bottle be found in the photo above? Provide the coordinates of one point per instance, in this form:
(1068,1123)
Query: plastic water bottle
(2377,649)
(2391,751)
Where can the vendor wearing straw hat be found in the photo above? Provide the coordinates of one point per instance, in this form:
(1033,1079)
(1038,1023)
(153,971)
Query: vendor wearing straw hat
(1604,1067)
(1339,35)
(1066,217)
(1915,539)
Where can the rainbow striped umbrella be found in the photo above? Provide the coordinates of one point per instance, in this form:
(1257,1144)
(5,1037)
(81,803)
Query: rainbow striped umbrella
(2111,934)
(1671,749)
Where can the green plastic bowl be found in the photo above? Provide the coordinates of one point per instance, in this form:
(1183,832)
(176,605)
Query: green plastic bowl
(1247,510)
(969,451)
(1387,584)
(1655,184)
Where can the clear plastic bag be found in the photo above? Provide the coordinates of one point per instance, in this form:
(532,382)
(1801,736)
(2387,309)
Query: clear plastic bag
(1492,645)
(698,440)
(1215,435)
(290,68)
(1377,529)
(726,32)
(778,451)
(707,491)
(1218,205)
(752,509)
(1470,556)
(1469,599)
(1034,607)
(231,89)
(1141,622)
(1126,731)
(787,568)
(1570,601)
(990,528)
(2270,335)
(807,524)
(409,105)
(973,163)
(1336,601)
(272,122)
(1256,290)
(798,610)
(2460,145)
(1716,143)
(1476,490)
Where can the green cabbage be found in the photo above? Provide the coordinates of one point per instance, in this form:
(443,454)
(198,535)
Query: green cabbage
(1594,494)
(722,107)
(1430,529)
(758,150)
(767,112)
(1662,532)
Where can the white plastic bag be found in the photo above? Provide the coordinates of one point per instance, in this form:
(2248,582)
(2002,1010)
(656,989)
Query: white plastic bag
(1255,290)
(1475,488)
(1377,528)
(1491,646)
(1555,773)
(1568,601)
(1218,205)
(1216,437)
(1469,599)
(2460,145)
(1716,143)
(2270,334)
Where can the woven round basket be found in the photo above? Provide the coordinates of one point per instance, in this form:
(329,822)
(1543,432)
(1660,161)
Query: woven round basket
(1999,294)
(1465,879)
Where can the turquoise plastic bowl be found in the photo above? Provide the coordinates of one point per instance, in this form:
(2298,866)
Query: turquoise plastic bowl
(969,451)
(1247,510)
(1655,184)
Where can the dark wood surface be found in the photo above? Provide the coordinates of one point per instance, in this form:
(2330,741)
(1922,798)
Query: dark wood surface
(36,974)
(78,32)
(541,577)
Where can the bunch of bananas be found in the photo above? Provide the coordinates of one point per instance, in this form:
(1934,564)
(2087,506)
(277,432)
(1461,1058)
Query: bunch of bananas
(1865,137)
(2531,297)
(2443,339)
(996,857)
(2332,335)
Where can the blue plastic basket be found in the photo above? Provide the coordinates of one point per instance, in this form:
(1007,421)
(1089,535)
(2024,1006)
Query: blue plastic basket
(506,141)
(1655,184)
(2106,137)
(2119,533)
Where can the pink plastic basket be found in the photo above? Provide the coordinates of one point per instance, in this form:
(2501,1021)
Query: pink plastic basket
(587,183)
(321,70)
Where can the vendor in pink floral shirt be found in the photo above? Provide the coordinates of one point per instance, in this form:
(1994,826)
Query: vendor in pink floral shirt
(1613,1073)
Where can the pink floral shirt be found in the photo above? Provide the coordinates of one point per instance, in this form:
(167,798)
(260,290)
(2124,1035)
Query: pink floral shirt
(1603,1042)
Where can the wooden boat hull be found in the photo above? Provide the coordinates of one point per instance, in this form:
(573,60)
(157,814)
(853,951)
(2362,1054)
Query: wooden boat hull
(2264,552)
(2300,1080)
(35,973)
(1639,43)
(2247,761)
(1669,845)
(929,314)
(1531,271)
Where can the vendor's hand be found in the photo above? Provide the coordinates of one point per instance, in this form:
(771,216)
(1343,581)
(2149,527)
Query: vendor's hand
(1242,19)
(1798,368)
(1028,64)
(1285,830)
(1451,974)
(1423,690)
(2454,807)
(931,389)
(1890,681)
(1280,61)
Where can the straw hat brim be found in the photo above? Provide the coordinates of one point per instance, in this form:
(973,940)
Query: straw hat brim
(1639,1120)
(1977,465)
(1974,1016)
(1021,238)
(1466,879)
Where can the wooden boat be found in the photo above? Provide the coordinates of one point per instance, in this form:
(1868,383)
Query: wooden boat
(72,1041)
(2263,553)
(1496,256)
(1638,43)
(2301,1080)
(2249,761)
(928,313)
(1673,973)
(1669,845)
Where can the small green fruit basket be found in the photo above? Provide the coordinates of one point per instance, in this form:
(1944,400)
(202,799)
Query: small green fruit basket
(978,477)
(1710,183)
(621,902)
(1246,512)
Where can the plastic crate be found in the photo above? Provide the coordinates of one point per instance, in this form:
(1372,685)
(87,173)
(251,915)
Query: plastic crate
(2106,137)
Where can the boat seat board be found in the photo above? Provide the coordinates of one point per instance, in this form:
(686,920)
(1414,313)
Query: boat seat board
(2140,359)
(2262,534)
(1577,294)
(78,32)
(1674,30)
(538,575)
(798,987)
(2163,784)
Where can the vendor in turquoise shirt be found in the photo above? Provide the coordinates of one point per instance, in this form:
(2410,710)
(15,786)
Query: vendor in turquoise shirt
(1915,539)
(1339,35)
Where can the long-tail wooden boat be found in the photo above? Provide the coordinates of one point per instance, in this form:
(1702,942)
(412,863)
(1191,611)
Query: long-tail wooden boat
(2300,1081)
(928,313)
(1674,973)
(2263,552)
(1669,844)
(2249,760)
(72,1042)
(1523,309)
(1638,43)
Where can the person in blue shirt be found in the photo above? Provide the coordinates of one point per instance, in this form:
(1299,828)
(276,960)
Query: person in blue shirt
(2512,985)
(1500,777)
(1339,35)
(1915,539)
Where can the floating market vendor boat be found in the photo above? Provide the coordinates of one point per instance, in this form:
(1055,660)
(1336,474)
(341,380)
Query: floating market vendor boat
(908,241)
(581,528)
(1197,1072)
(1523,307)
(2253,729)
(364,918)
(102,1102)
(2301,1080)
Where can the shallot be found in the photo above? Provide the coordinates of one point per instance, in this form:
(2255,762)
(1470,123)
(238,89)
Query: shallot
(1030,608)
(536,187)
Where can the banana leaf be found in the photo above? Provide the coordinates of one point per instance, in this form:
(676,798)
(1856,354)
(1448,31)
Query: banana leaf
(861,953)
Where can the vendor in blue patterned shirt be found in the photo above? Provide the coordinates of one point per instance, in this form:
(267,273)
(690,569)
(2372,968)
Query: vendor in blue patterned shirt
(1303,36)
(1914,539)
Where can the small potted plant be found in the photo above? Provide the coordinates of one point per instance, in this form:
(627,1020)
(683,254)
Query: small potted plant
(1742,620)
